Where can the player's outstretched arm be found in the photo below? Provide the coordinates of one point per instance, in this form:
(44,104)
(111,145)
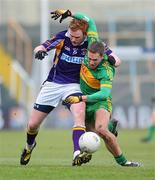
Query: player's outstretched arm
(98,96)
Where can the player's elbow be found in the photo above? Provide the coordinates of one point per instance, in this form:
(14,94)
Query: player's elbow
(117,60)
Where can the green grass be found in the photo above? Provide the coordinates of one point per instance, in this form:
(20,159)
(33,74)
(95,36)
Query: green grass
(52,158)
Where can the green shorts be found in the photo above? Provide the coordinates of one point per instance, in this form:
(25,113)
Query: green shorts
(91,108)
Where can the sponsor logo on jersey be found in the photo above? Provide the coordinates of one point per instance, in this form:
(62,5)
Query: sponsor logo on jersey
(75,51)
(67,48)
(71,59)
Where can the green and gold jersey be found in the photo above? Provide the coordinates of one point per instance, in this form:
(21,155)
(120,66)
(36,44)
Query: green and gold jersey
(93,81)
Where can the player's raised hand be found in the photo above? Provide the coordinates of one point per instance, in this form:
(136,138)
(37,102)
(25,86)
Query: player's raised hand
(40,55)
(61,13)
(73,99)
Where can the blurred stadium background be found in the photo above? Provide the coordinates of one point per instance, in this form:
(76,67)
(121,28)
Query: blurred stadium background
(127,26)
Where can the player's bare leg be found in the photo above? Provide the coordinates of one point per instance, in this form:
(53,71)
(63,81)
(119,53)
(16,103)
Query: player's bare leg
(101,125)
(32,130)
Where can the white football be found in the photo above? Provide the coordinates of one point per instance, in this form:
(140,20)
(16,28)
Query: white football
(89,142)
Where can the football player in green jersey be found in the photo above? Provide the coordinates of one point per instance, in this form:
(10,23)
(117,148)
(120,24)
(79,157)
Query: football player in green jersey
(96,79)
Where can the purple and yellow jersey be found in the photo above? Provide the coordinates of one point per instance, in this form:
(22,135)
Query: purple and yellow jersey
(67,60)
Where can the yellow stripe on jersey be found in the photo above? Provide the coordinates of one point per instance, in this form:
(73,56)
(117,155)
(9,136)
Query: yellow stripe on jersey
(109,103)
(106,85)
(92,33)
(88,77)
(58,50)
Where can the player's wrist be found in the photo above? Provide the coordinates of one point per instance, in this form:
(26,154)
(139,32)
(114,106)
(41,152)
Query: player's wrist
(84,98)
(39,48)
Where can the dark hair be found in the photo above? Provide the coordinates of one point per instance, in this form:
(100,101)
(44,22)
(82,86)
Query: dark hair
(77,24)
(97,47)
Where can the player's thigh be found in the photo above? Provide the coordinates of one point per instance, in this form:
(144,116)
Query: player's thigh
(102,119)
(78,112)
(78,109)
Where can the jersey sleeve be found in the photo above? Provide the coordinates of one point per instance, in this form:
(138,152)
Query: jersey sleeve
(53,43)
(101,95)
(92,33)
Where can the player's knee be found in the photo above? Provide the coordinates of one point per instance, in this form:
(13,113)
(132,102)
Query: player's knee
(32,125)
(100,130)
(104,133)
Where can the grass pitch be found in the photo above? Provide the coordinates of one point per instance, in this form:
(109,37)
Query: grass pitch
(52,158)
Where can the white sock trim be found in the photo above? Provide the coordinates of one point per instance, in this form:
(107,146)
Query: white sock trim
(76,153)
